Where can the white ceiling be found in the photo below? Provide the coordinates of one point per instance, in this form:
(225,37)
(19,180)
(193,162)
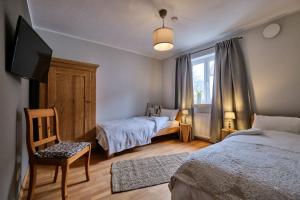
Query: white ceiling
(128,24)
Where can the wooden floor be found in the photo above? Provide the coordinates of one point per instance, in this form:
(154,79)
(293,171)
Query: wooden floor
(99,185)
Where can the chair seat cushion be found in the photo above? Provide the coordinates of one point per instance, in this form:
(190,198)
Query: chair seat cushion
(61,150)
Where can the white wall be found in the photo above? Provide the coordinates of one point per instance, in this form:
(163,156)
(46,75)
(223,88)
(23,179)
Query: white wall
(125,81)
(273,66)
(13,98)
(168,83)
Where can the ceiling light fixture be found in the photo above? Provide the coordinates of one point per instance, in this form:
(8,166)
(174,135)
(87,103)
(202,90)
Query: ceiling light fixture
(163,37)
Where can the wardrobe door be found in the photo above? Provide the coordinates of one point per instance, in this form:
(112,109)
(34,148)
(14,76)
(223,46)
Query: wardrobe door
(69,92)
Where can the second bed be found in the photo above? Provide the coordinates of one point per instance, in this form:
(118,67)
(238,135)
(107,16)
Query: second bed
(118,135)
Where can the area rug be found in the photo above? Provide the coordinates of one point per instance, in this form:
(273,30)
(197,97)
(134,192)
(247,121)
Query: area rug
(139,173)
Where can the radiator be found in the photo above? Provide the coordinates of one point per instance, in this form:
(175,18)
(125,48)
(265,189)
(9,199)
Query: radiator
(202,125)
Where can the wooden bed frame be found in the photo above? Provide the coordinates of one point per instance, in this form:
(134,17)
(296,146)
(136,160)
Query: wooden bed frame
(165,131)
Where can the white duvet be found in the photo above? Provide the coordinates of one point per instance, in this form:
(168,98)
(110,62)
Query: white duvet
(118,135)
(247,165)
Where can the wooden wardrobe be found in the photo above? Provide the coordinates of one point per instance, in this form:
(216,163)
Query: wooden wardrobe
(71,88)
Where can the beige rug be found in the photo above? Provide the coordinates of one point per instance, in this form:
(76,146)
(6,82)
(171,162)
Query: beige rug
(139,173)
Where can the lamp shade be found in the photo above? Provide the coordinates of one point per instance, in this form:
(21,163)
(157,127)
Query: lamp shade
(163,39)
(185,112)
(229,115)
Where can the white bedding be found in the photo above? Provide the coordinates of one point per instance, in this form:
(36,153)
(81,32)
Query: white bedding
(247,165)
(171,124)
(118,135)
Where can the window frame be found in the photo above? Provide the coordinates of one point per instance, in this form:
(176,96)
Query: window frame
(205,59)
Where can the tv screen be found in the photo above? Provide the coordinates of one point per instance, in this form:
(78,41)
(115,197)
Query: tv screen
(31,57)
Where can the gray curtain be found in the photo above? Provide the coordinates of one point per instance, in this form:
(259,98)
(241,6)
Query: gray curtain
(184,98)
(230,90)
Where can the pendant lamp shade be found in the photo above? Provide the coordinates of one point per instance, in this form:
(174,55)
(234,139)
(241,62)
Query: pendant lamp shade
(163,39)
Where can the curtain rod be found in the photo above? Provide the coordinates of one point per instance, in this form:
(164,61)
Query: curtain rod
(212,47)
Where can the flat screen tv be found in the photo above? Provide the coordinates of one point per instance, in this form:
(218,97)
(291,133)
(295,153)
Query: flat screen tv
(31,55)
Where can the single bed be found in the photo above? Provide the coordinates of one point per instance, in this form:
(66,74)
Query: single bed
(251,164)
(118,135)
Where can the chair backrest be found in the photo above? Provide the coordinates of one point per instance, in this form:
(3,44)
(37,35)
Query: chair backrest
(41,115)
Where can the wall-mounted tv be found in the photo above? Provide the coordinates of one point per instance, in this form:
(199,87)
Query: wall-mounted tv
(31,55)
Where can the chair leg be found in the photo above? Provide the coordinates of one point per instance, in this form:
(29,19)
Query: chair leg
(32,181)
(64,169)
(87,163)
(56,174)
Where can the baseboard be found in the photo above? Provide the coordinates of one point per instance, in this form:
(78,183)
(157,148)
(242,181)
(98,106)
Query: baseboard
(202,139)
(23,185)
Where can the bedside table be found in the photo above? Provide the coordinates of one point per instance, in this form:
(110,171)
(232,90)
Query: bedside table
(185,132)
(226,132)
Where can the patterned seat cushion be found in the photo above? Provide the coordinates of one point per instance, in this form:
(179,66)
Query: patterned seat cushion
(61,150)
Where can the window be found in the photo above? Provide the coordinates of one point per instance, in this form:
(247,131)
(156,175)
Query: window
(203,76)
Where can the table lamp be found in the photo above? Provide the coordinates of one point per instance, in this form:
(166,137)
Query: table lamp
(185,113)
(230,116)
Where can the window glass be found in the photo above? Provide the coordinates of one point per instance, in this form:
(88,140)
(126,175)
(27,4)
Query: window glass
(198,82)
(203,77)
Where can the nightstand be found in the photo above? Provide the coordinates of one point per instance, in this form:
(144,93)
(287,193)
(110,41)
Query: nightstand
(226,132)
(185,132)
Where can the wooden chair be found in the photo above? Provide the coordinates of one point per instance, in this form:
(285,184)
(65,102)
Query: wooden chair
(58,154)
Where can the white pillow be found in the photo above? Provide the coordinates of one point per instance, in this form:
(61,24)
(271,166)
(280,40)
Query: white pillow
(277,123)
(172,114)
